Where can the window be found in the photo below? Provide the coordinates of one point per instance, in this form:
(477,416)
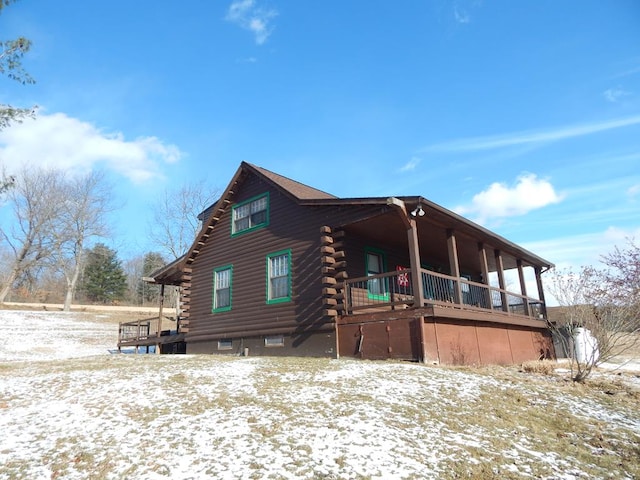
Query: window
(279,277)
(274,341)
(222,289)
(375,264)
(251,214)
(225,344)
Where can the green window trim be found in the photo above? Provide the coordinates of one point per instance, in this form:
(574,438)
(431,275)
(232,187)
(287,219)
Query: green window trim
(282,279)
(215,298)
(252,223)
(377,289)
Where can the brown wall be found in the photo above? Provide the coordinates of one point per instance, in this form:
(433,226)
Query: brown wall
(320,344)
(474,343)
(459,342)
(396,339)
(291,226)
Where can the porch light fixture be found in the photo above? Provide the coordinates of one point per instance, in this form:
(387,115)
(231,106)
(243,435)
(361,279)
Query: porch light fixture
(418,211)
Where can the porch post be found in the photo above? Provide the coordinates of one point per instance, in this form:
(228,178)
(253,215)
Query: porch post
(538,271)
(414,260)
(484,269)
(454,265)
(416,280)
(501,282)
(161,301)
(523,288)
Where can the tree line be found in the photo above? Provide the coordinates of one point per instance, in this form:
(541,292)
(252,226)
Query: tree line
(54,249)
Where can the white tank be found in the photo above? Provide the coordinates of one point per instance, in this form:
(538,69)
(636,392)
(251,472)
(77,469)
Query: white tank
(585,346)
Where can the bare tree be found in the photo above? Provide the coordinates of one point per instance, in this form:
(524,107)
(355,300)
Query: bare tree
(133,270)
(83,213)
(176,217)
(35,198)
(599,316)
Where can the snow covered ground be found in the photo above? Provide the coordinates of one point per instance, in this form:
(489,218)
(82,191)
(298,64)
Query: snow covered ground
(71,410)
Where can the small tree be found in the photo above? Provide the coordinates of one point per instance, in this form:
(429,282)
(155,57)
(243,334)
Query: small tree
(605,303)
(104,280)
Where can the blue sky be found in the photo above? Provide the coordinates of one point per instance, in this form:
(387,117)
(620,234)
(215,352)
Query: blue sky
(523,116)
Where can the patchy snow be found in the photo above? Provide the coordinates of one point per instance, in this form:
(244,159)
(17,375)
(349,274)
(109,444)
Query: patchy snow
(32,336)
(208,417)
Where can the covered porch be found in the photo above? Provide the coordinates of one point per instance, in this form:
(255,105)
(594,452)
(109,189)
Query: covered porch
(447,285)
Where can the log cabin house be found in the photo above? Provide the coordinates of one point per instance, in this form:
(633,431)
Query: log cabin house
(281,268)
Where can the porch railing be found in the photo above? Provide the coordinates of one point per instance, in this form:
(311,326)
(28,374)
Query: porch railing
(386,290)
(394,290)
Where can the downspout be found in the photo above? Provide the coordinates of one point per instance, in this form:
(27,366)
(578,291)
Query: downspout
(414,259)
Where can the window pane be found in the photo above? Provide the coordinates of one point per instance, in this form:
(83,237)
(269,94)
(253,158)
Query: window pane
(279,266)
(374,263)
(259,205)
(279,287)
(241,212)
(222,278)
(241,224)
(223,298)
(258,218)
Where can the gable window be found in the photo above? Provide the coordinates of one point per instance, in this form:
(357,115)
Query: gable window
(375,264)
(279,277)
(251,214)
(222,281)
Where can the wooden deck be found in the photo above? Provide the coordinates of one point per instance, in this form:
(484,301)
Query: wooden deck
(145,332)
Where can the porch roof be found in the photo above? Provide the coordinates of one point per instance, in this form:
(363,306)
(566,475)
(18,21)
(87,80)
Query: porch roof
(170,274)
(386,221)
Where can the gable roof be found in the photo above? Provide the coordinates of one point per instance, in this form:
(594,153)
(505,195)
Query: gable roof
(296,189)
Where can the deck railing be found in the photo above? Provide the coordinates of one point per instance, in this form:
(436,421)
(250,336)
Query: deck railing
(395,290)
(130,332)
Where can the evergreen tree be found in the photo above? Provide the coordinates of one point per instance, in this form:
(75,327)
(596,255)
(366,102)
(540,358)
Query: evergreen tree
(148,292)
(104,279)
(11,53)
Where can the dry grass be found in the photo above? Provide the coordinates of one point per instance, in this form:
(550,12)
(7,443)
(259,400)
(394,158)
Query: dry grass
(312,418)
(540,367)
(163,417)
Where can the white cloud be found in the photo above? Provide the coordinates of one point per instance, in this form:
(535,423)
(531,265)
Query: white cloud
(634,190)
(614,95)
(60,141)
(500,200)
(257,20)
(475,144)
(410,165)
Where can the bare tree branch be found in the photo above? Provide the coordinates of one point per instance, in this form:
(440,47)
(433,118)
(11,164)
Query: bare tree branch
(176,217)
(35,198)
